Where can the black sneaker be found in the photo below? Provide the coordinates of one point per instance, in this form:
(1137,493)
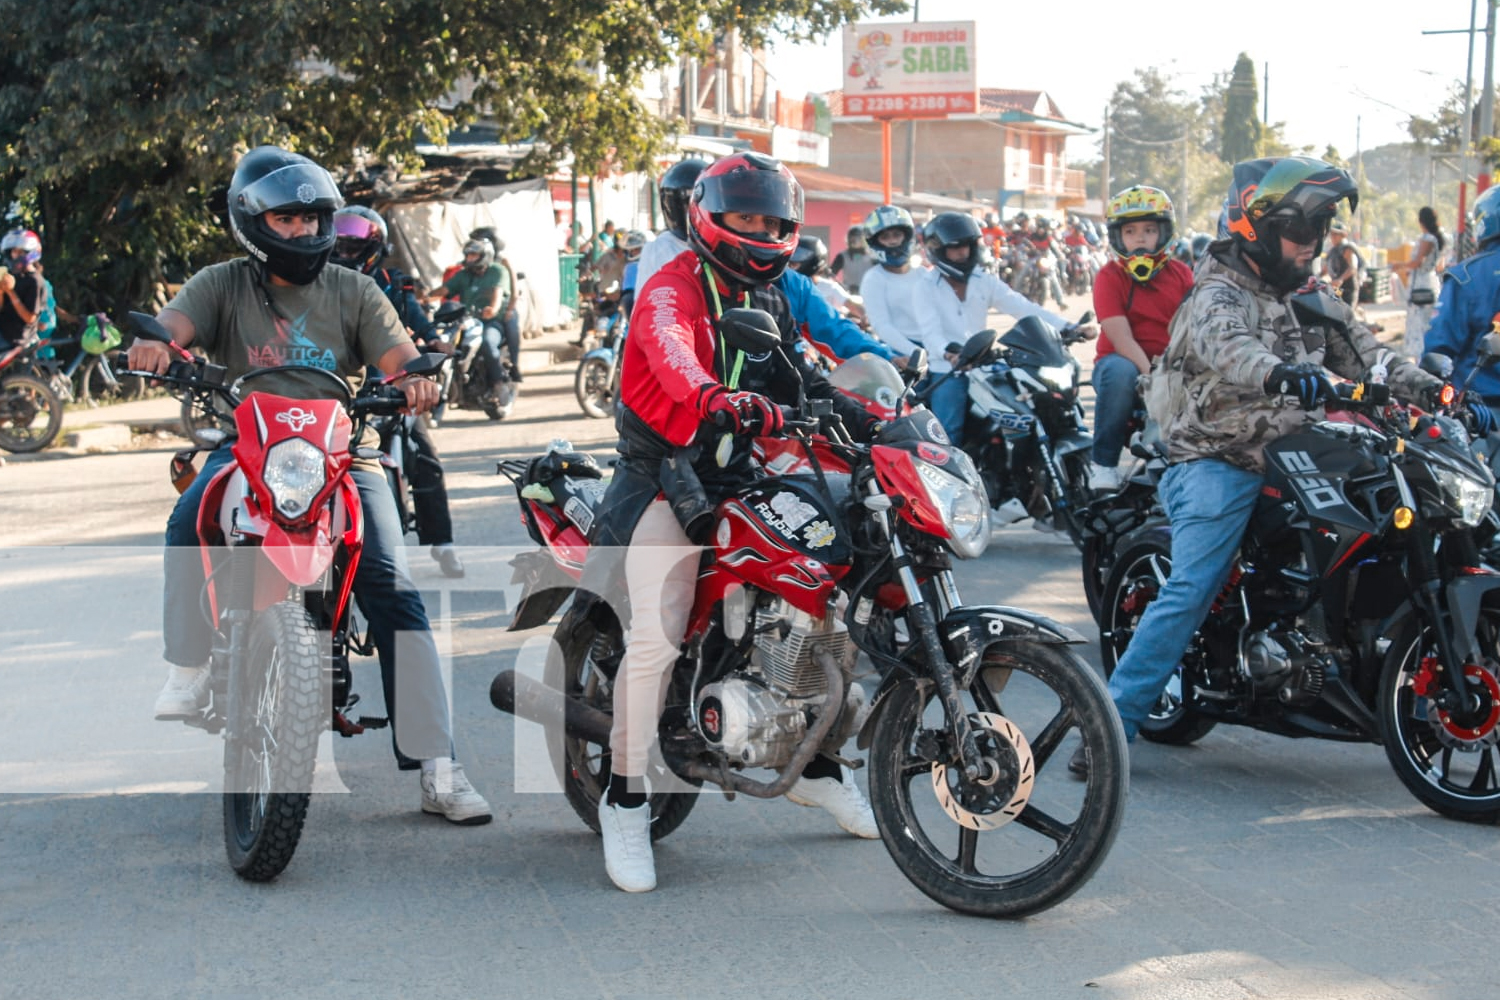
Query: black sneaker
(1078,764)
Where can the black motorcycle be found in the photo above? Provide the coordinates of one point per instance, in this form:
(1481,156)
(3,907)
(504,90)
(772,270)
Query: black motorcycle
(465,382)
(1024,424)
(1358,609)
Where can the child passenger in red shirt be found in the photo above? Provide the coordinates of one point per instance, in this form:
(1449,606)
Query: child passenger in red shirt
(1135,296)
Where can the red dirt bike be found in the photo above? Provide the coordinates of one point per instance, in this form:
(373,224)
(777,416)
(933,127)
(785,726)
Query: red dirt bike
(281,532)
(978,707)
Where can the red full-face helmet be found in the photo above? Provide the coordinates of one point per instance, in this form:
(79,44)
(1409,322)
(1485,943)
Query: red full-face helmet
(746,184)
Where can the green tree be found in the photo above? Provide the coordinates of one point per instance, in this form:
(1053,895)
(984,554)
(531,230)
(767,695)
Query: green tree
(1241,133)
(121,120)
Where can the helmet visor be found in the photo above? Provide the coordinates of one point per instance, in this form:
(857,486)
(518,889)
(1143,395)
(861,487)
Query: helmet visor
(358,229)
(295,187)
(753,192)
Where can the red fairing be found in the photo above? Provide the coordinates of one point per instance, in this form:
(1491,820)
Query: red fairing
(669,354)
(897,472)
(264,421)
(564,541)
(785,456)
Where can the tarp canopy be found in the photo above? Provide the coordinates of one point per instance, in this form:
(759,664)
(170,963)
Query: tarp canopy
(427,237)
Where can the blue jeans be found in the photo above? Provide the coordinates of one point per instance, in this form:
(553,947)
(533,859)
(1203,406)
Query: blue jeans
(949,402)
(1209,503)
(497,330)
(382,587)
(1114,399)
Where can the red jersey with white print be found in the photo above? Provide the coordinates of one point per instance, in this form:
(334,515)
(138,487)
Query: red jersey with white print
(1147,305)
(669,353)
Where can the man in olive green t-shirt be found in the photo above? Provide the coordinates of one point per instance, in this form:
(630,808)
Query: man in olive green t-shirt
(487,289)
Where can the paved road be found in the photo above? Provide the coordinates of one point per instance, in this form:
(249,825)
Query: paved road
(1248,866)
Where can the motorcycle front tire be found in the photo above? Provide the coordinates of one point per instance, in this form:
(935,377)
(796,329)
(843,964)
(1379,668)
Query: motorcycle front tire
(279,711)
(1000,871)
(24,400)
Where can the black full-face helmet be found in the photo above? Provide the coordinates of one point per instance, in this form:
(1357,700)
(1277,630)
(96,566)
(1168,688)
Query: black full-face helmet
(360,242)
(951,229)
(811,256)
(676,188)
(268,179)
(1291,196)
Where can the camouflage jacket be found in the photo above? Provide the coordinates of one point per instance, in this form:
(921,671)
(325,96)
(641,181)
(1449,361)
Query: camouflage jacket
(1238,329)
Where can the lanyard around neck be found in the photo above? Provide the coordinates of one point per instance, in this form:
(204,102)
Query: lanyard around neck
(733,379)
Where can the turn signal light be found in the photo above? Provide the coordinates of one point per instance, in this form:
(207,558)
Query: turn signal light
(1447,395)
(1403,518)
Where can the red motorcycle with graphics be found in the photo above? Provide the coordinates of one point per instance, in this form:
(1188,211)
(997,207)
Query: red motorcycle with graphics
(978,707)
(281,532)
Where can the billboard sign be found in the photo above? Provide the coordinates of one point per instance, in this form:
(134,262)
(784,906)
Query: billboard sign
(916,69)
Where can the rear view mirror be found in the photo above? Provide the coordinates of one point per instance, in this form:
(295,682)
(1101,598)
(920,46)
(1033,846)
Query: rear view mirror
(1438,365)
(149,327)
(977,347)
(1489,348)
(753,331)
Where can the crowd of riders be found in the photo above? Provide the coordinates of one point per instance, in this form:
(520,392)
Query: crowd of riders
(733,237)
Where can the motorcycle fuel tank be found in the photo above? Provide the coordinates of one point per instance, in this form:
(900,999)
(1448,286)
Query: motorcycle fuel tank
(782,536)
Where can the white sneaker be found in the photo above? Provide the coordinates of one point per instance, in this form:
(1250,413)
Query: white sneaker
(842,799)
(1103,478)
(446,792)
(627,846)
(184,694)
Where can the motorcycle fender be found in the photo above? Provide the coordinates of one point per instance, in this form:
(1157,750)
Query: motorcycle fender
(1069,443)
(605,354)
(966,633)
(301,556)
(1465,594)
(544,588)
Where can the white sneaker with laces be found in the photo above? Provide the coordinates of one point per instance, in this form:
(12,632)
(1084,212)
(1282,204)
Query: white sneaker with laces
(843,800)
(184,694)
(1103,478)
(627,846)
(446,792)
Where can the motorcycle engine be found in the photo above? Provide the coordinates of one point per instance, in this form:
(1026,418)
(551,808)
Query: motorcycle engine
(1286,662)
(758,714)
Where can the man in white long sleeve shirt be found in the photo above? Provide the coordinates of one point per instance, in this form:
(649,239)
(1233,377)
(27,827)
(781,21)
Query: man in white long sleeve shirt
(889,289)
(953,302)
(675,188)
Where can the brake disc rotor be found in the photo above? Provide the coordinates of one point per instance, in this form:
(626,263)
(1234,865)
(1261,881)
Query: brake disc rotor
(989,807)
(1471,730)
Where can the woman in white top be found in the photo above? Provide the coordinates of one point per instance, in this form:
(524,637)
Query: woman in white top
(1422,282)
(887,290)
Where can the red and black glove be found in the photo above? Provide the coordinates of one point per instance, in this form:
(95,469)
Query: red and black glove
(739,412)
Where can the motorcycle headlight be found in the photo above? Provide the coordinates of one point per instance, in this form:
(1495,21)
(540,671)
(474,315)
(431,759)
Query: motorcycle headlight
(1472,498)
(965,512)
(1059,377)
(294,472)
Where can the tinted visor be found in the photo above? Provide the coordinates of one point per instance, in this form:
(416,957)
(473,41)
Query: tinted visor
(357,228)
(752,192)
(297,187)
(1300,230)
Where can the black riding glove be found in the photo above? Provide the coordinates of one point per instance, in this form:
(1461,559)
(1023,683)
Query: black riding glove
(1303,380)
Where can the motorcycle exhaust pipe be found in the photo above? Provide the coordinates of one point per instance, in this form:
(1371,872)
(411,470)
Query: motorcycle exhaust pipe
(519,695)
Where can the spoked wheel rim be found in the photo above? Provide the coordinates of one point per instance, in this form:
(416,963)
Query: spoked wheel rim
(1022,837)
(30,414)
(1141,581)
(257,758)
(1456,753)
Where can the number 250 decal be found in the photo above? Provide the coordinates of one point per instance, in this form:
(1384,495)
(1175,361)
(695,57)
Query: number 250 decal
(1317,491)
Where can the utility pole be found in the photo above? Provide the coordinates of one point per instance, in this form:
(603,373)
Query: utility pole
(911,126)
(1467,136)
(1265,95)
(1182,197)
(1487,98)
(1104,189)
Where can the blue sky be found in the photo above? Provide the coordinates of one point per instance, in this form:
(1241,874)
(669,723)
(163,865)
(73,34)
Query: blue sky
(1364,65)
